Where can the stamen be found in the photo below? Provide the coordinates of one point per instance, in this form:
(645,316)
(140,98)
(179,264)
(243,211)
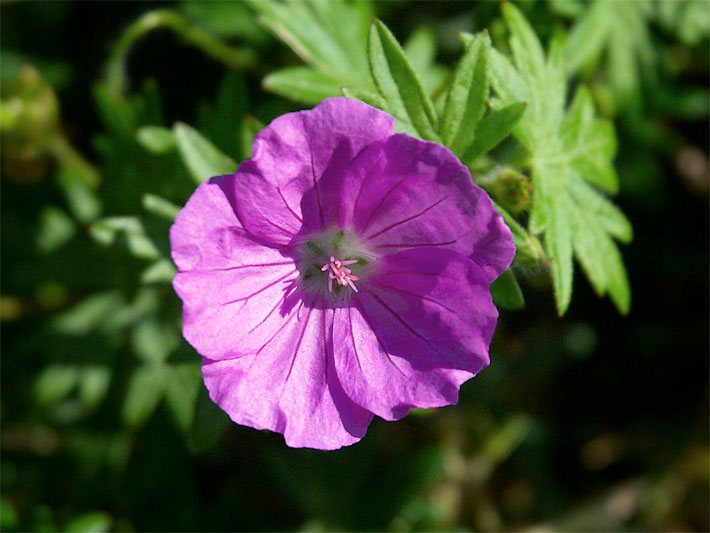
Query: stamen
(337,271)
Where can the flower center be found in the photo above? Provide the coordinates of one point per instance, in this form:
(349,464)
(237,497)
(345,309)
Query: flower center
(339,271)
(331,262)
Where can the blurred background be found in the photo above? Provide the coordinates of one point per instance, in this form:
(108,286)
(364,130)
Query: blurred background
(592,421)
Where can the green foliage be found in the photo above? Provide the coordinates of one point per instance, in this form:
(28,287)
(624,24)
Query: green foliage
(688,19)
(202,158)
(329,36)
(506,292)
(156,139)
(398,84)
(569,151)
(619,30)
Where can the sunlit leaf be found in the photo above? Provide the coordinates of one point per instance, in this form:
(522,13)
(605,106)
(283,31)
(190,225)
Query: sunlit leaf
(466,101)
(128,231)
(201,157)
(397,82)
(493,128)
(55,383)
(302,84)
(567,148)
(160,206)
(156,139)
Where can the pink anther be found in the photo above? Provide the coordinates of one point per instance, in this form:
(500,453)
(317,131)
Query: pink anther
(338,271)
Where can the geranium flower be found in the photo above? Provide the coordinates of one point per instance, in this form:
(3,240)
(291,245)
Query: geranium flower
(342,272)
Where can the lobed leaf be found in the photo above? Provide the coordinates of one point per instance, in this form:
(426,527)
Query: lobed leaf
(316,31)
(302,84)
(493,128)
(397,82)
(466,100)
(571,154)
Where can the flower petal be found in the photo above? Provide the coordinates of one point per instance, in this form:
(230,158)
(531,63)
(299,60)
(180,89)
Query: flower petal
(289,385)
(230,285)
(418,329)
(405,193)
(279,191)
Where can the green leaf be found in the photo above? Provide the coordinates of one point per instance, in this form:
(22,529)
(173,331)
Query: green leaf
(589,143)
(129,231)
(506,292)
(145,389)
(587,38)
(153,342)
(156,140)
(571,154)
(201,157)
(94,382)
(466,101)
(160,206)
(398,83)
(161,271)
(80,196)
(618,32)
(90,314)
(94,522)
(520,236)
(558,245)
(329,36)
(607,214)
(56,228)
(375,100)
(225,18)
(688,19)
(184,381)
(420,49)
(55,383)
(370,98)
(116,112)
(302,84)
(617,279)
(493,128)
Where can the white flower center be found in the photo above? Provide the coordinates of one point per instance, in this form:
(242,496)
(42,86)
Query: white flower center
(333,261)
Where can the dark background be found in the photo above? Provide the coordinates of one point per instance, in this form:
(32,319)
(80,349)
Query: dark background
(592,421)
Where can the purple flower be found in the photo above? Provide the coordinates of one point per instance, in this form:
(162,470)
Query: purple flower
(343,272)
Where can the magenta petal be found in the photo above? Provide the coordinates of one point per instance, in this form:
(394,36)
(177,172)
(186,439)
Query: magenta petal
(405,193)
(230,285)
(289,385)
(279,190)
(420,329)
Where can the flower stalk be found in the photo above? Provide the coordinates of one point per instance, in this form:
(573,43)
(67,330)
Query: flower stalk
(116,79)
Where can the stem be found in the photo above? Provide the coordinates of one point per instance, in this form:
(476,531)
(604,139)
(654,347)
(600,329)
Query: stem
(236,58)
